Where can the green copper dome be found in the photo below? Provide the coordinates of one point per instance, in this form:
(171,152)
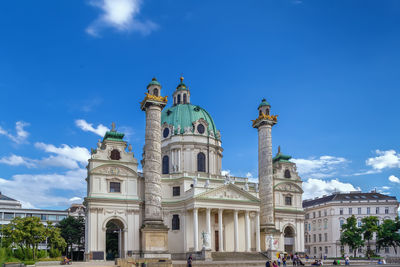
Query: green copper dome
(184,115)
(153,82)
(264,103)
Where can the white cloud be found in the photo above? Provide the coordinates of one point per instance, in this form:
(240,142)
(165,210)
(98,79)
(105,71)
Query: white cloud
(88,127)
(76,199)
(43,190)
(394,179)
(249,175)
(385,159)
(78,154)
(226,172)
(317,187)
(120,15)
(324,166)
(15,160)
(20,136)
(385,187)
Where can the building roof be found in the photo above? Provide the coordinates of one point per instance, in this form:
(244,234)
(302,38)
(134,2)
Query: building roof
(264,103)
(184,115)
(153,82)
(3,197)
(352,196)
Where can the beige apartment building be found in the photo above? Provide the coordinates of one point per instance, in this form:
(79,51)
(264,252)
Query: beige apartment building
(325,215)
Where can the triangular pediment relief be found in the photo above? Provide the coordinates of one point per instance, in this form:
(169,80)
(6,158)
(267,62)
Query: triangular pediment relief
(288,187)
(228,192)
(116,170)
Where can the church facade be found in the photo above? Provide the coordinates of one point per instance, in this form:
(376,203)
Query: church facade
(181,203)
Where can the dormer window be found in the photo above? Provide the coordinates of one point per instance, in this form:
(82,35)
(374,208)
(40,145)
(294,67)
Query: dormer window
(287,174)
(115,155)
(155,91)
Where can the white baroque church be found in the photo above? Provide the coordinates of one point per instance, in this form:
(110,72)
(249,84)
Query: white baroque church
(181,204)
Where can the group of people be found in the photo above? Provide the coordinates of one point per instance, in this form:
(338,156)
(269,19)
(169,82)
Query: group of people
(284,259)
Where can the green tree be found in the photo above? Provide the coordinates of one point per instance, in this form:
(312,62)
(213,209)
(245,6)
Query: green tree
(54,238)
(388,234)
(369,227)
(351,234)
(73,231)
(26,233)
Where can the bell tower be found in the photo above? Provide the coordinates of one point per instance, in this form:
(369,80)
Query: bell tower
(154,231)
(264,124)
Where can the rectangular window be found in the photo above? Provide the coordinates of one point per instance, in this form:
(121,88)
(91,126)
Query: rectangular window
(368,210)
(320,237)
(307,216)
(359,210)
(341,223)
(175,222)
(61,217)
(305,238)
(387,210)
(43,217)
(176,191)
(319,213)
(350,211)
(288,201)
(325,224)
(341,211)
(326,250)
(326,237)
(52,218)
(325,213)
(21,215)
(36,215)
(216,218)
(309,227)
(8,216)
(315,250)
(315,238)
(313,214)
(387,250)
(377,210)
(115,187)
(342,249)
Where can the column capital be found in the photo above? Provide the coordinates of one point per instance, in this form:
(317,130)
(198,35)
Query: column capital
(220,210)
(196,209)
(235,212)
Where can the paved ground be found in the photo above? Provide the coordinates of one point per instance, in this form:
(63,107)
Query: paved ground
(204,264)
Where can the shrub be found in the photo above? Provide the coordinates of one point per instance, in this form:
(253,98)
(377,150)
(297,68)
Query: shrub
(42,254)
(54,253)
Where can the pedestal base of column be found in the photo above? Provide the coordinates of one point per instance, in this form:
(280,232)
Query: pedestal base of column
(206,254)
(270,242)
(155,241)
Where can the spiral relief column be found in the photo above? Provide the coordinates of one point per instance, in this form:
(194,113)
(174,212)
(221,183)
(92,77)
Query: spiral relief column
(154,232)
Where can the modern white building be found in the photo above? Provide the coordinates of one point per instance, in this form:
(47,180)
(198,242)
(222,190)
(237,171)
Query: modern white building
(201,207)
(325,215)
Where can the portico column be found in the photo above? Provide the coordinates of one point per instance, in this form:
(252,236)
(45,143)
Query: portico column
(220,229)
(247,229)
(195,229)
(208,221)
(258,232)
(236,232)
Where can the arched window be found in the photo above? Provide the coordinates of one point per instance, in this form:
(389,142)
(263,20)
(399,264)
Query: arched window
(115,154)
(260,112)
(201,162)
(165,165)
(155,91)
(175,222)
(287,174)
(179,99)
(267,111)
(184,98)
(175,100)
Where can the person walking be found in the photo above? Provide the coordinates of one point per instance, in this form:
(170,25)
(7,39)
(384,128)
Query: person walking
(189,261)
(268,263)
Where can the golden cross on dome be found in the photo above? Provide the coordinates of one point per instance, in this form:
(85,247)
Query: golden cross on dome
(279,149)
(181,78)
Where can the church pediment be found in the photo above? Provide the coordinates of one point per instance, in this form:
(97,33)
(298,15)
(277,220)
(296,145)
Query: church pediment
(228,192)
(288,187)
(113,170)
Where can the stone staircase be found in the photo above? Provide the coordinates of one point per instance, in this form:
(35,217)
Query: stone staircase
(238,256)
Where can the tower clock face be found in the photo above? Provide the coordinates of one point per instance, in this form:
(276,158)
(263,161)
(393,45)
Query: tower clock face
(200,128)
(166,132)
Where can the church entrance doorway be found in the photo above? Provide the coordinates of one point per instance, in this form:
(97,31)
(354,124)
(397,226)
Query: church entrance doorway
(289,240)
(114,239)
(216,238)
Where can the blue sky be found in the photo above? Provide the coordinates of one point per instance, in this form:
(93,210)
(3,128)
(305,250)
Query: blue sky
(330,70)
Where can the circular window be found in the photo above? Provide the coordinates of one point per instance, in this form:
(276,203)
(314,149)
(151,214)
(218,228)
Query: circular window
(200,128)
(166,132)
